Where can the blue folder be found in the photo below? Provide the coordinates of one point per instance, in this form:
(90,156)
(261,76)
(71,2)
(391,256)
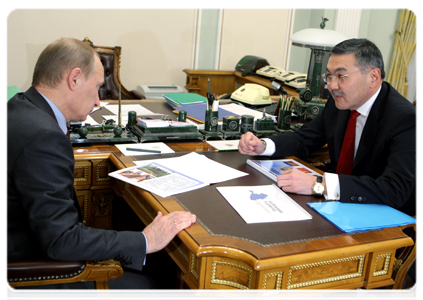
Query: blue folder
(351,217)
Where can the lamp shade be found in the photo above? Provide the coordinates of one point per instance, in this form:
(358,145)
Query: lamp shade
(316,38)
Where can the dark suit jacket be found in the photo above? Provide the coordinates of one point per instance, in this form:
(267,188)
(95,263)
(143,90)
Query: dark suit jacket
(44,218)
(384,170)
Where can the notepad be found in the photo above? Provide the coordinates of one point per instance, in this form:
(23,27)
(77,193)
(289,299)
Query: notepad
(351,217)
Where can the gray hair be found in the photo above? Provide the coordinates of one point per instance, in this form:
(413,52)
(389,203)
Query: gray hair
(61,56)
(367,53)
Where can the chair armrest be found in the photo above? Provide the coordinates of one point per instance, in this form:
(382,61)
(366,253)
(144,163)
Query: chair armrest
(43,272)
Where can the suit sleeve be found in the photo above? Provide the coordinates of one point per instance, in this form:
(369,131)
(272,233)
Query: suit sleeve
(44,176)
(391,170)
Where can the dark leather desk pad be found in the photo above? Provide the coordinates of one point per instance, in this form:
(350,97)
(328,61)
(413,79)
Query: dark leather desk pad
(218,217)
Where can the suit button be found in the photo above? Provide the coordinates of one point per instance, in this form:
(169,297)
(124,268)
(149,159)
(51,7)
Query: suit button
(353,198)
(360,199)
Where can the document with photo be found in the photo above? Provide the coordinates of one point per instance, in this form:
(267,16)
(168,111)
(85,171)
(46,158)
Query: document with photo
(158,179)
(274,168)
(175,175)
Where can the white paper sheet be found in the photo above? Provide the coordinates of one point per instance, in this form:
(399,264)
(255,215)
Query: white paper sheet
(242,110)
(139,109)
(200,167)
(226,145)
(263,204)
(90,121)
(158,179)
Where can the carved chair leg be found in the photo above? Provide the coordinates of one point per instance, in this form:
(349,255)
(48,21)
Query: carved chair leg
(102,290)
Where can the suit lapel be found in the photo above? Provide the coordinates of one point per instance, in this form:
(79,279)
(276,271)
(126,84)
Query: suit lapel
(372,127)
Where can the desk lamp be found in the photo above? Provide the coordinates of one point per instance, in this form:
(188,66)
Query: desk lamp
(320,41)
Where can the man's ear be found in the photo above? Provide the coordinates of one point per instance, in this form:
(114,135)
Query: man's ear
(74,77)
(375,76)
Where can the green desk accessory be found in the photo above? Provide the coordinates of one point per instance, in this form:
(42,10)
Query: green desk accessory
(12,91)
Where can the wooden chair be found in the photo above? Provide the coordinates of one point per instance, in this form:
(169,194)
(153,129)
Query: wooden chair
(110,58)
(404,287)
(43,272)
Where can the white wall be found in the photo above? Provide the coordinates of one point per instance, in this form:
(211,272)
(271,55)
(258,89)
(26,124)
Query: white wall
(156,44)
(259,32)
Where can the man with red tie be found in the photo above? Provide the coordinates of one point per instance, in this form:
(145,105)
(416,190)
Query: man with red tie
(370,131)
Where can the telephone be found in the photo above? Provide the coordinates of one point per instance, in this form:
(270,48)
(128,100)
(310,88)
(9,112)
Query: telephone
(271,71)
(293,79)
(249,64)
(253,94)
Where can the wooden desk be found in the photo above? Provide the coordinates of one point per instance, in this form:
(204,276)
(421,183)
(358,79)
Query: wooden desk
(215,261)
(225,82)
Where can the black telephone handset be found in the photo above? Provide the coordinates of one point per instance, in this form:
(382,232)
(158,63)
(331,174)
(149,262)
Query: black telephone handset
(249,64)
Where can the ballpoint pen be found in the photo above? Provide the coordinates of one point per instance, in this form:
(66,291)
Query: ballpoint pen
(143,150)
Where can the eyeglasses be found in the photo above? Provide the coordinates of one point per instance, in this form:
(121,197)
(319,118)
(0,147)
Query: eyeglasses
(341,78)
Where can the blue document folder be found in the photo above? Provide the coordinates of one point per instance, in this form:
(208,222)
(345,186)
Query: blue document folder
(351,217)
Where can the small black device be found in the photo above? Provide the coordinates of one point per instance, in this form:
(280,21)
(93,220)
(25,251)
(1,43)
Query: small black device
(249,64)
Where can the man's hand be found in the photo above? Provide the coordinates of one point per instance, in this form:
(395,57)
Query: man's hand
(250,144)
(296,181)
(163,229)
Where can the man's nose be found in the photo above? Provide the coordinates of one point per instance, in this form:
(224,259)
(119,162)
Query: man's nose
(333,84)
(97,101)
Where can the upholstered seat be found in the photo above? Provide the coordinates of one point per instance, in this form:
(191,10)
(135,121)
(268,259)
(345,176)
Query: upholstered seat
(110,58)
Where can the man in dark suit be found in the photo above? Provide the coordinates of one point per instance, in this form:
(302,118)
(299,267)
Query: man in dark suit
(44,218)
(384,146)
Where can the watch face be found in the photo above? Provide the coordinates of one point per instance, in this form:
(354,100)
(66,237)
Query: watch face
(319,189)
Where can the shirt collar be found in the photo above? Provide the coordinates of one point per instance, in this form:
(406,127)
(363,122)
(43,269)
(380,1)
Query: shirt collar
(61,120)
(364,110)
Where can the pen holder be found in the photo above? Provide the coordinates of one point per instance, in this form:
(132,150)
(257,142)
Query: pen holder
(284,119)
(247,123)
(231,123)
(211,121)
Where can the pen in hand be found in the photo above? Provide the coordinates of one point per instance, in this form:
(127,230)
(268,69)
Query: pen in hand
(143,150)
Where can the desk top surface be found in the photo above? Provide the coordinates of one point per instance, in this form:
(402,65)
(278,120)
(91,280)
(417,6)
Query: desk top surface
(219,225)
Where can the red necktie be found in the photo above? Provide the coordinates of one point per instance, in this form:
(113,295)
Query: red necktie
(346,157)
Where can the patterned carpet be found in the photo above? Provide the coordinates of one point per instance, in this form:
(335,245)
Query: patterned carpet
(363,295)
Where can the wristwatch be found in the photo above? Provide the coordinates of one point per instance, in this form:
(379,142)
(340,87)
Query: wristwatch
(264,144)
(318,187)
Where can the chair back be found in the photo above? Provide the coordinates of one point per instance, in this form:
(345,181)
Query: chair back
(110,58)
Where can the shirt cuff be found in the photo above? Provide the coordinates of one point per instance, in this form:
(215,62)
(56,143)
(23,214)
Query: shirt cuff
(332,186)
(146,247)
(270,147)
